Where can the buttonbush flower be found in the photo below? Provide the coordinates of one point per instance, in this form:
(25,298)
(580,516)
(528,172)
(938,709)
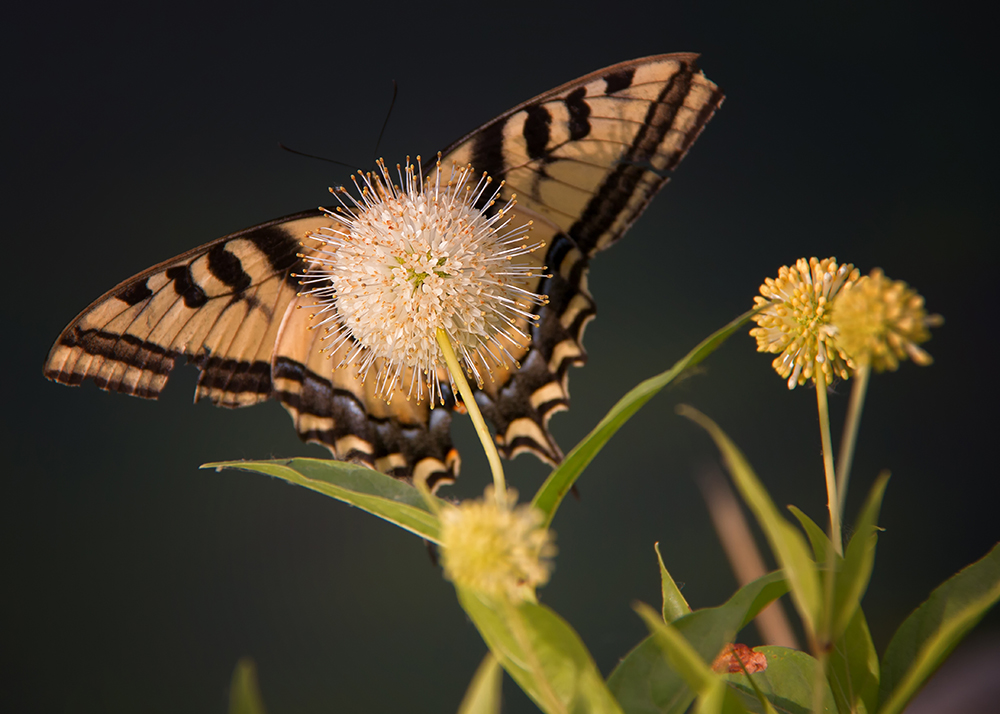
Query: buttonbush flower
(881,321)
(495,547)
(796,322)
(404,260)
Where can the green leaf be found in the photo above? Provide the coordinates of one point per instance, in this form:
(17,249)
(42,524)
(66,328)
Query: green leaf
(643,683)
(853,576)
(386,497)
(712,693)
(483,695)
(674,604)
(787,683)
(244,694)
(684,659)
(927,636)
(542,653)
(561,480)
(786,541)
(817,538)
(852,668)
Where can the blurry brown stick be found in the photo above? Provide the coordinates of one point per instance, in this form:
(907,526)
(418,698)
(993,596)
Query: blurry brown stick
(741,550)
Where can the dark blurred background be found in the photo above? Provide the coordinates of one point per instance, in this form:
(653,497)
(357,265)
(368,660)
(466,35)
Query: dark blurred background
(134,581)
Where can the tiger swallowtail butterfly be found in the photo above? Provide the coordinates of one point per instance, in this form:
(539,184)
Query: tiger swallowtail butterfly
(584,161)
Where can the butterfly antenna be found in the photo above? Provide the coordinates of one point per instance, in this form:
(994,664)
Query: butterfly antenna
(395,90)
(314,156)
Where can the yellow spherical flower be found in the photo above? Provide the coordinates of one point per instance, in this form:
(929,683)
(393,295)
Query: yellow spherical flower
(796,319)
(495,547)
(881,321)
(403,261)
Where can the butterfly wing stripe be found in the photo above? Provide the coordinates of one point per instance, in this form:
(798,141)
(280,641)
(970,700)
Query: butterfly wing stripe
(245,377)
(239,379)
(109,362)
(487,139)
(619,188)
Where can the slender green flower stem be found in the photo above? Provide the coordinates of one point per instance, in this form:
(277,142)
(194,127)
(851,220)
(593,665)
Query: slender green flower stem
(820,639)
(831,481)
(469,400)
(850,437)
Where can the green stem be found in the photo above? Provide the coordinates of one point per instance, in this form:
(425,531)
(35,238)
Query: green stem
(832,501)
(469,400)
(821,638)
(850,437)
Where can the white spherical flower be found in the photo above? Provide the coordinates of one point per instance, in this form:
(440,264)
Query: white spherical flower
(406,260)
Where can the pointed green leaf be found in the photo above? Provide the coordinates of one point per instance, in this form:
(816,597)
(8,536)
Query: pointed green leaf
(853,576)
(817,538)
(786,541)
(643,683)
(674,604)
(483,695)
(386,497)
(787,683)
(244,694)
(927,636)
(852,668)
(561,480)
(540,652)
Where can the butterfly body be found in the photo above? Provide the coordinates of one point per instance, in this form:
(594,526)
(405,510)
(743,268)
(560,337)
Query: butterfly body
(583,159)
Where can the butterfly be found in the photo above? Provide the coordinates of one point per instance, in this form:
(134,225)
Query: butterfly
(584,160)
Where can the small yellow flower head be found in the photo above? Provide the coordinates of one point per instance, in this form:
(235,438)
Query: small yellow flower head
(881,321)
(796,321)
(498,549)
(402,261)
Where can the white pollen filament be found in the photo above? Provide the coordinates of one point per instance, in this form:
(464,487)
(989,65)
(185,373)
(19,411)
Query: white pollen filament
(402,261)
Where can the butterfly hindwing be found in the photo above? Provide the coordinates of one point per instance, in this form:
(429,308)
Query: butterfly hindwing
(336,408)
(583,159)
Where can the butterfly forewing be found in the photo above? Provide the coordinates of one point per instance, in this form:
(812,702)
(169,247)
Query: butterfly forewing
(219,305)
(583,159)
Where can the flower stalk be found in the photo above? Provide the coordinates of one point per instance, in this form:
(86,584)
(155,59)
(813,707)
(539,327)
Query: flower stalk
(833,501)
(850,437)
(469,399)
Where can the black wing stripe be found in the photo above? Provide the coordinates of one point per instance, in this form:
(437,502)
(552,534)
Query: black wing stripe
(135,293)
(487,151)
(617,81)
(115,348)
(536,131)
(579,113)
(227,268)
(279,248)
